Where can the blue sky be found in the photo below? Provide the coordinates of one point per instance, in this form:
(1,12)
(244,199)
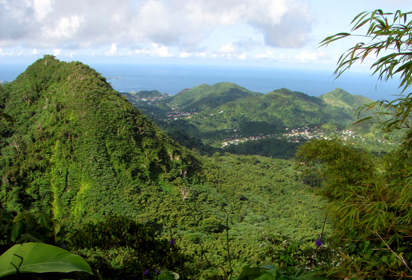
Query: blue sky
(271,33)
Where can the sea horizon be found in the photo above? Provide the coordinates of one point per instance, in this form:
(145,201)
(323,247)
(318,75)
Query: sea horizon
(171,79)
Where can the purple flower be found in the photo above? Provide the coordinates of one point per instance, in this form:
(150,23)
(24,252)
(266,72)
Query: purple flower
(319,242)
(172,241)
(146,272)
(157,272)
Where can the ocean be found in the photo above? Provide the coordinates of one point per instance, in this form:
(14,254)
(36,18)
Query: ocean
(174,78)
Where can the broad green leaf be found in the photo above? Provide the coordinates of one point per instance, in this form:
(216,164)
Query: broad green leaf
(40,258)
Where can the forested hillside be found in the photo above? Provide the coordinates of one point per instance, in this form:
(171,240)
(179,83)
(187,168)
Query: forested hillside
(77,142)
(80,152)
(272,124)
(205,96)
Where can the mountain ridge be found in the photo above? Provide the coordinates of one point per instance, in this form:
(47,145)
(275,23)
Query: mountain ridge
(344,99)
(206,96)
(74,138)
(254,115)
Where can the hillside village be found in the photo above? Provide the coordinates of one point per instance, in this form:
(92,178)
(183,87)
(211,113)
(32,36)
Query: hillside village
(302,134)
(205,111)
(148,97)
(176,114)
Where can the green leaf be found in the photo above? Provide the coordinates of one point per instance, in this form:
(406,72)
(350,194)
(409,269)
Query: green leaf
(30,237)
(56,227)
(266,276)
(16,230)
(5,216)
(300,272)
(40,258)
(43,219)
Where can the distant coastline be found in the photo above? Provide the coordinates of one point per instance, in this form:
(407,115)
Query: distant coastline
(114,78)
(171,79)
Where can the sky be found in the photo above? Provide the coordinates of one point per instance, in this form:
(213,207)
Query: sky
(269,33)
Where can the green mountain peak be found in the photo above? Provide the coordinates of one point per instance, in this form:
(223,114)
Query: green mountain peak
(77,146)
(206,96)
(341,98)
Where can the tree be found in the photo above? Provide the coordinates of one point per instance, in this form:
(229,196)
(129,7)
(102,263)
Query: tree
(369,198)
(390,35)
(2,114)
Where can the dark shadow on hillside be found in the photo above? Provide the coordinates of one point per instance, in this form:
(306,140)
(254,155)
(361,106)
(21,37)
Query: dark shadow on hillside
(267,147)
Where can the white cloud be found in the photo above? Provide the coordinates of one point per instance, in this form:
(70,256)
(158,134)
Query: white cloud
(242,56)
(284,57)
(304,56)
(113,50)
(155,50)
(184,54)
(228,48)
(67,27)
(201,54)
(41,8)
(323,55)
(184,24)
(267,54)
(56,52)
(34,52)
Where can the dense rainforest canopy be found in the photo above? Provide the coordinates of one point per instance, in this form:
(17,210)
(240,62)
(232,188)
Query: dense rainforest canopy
(76,142)
(80,152)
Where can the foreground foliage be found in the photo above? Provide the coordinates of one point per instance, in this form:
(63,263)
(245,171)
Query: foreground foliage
(118,247)
(40,258)
(369,201)
(368,198)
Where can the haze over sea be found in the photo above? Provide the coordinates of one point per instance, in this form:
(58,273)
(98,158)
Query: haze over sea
(174,78)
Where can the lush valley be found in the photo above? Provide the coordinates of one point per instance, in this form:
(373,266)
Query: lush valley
(85,170)
(273,124)
(78,151)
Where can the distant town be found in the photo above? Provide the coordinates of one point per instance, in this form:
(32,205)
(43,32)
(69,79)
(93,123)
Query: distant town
(304,133)
(234,136)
